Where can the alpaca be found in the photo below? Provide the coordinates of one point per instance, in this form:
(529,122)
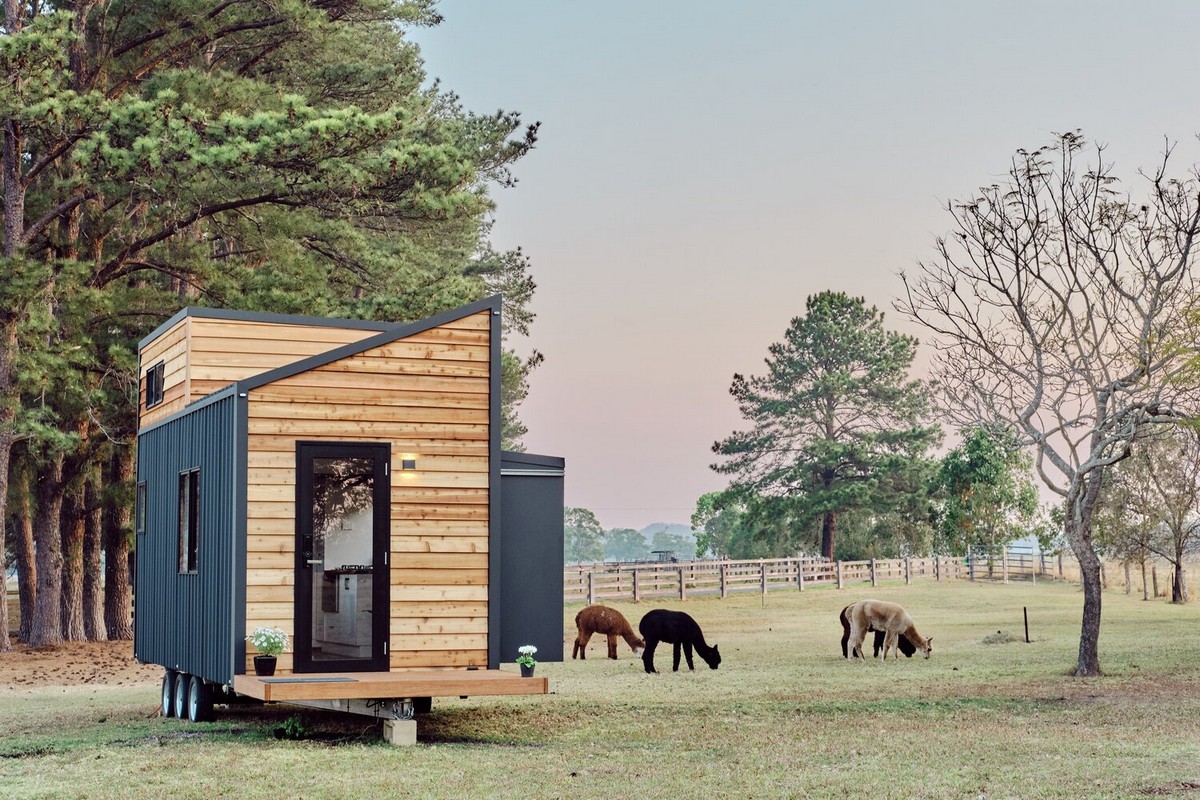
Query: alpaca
(892,619)
(610,622)
(906,646)
(676,627)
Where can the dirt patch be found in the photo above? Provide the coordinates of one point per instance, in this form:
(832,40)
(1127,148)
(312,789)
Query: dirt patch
(75,664)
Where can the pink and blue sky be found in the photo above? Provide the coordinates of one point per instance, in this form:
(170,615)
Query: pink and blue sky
(705,167)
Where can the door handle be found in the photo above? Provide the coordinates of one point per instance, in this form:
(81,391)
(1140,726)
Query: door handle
(318,561)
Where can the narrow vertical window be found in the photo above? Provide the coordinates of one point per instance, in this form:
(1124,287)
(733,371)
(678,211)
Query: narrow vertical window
(189,520)
(154,384)
(139,508)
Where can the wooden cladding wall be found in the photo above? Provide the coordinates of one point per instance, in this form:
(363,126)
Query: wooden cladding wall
(204,355)
(428,396)
(172,349)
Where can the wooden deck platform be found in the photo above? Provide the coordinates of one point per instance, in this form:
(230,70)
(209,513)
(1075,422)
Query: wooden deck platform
(288,687)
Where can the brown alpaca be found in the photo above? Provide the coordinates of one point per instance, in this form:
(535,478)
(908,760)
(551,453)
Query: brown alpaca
(892,619)
(602,619)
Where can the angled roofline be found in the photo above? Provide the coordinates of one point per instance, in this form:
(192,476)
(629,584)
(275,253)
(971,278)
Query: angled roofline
(202,312)
(390,334)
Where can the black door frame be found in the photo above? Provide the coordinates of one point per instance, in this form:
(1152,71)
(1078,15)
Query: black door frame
(380,452)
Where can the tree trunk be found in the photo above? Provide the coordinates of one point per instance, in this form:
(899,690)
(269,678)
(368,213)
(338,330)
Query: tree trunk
(1179,589)
(1128,578)
(1145,582)
(22,517)
(116,545)
(93,575)
(46,628)
(71,526)
(828,529)
(1080,501)
(5,457)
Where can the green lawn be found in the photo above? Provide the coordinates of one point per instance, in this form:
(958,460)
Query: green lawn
(784,716)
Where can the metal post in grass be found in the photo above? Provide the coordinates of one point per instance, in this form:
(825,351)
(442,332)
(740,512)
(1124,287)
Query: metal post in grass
(1025,609)
(839,574)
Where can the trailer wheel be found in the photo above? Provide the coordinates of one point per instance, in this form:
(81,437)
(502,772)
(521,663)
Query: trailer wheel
(422,705)
(199,700)
(168,693)
(181,693)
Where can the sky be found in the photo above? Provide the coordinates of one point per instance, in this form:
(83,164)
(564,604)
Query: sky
(703,168)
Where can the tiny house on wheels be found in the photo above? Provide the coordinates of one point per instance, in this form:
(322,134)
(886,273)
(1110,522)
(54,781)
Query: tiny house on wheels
(341,480)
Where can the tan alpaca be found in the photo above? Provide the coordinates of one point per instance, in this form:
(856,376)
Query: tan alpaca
(610,622)
(892,619)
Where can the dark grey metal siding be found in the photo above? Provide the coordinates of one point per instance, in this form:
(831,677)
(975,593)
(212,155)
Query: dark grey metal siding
(194,622)
(531,555)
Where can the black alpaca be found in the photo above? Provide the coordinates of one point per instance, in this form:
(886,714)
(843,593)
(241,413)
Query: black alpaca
(676,627)
(905,645)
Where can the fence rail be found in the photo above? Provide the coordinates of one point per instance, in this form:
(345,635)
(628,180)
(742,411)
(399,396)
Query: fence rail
(594,582)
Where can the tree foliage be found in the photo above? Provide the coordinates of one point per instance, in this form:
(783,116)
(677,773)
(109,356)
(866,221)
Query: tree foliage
(625,544)
(987,493)
(833,421)
(583,540)
(1054,306)
(271,155)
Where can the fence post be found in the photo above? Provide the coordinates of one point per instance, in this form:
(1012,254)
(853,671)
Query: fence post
(762,573)
(907,570)
(874,582)
(839,574)
(591,588)
(970,564)
(1004,563)
(937,568)
(682,585)
(724,582)
(800,572)
(637,589)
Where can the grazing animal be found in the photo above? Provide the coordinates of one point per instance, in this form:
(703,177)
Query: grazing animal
(892,619)
(906,646)
(610,622)
(676,627)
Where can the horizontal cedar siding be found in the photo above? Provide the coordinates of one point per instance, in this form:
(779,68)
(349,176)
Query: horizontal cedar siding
(172,349)
(428,396)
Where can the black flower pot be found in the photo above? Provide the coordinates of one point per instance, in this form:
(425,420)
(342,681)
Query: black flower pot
(264,665)
(526,670)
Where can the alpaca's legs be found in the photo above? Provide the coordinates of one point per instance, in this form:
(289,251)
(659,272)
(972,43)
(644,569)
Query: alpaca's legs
(581,643)
(878,642)
(889,643)
(687,651)
(612,646)
(857,635)
(648,654)
(676,654)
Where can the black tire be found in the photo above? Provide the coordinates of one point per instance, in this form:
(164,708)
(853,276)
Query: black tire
(181,693)
(422,705)
(199,700)
(168,694)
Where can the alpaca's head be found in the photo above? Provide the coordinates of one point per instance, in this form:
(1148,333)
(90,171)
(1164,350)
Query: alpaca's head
(928,648)
(713,658)
(639,645)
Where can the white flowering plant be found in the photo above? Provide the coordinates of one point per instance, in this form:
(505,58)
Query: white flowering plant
(268,641)
(526,658)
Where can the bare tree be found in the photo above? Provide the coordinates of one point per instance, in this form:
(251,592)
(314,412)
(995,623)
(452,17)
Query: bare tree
(1055,306)
(1159,486)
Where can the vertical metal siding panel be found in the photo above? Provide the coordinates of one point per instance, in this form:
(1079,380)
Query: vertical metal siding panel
(183,621)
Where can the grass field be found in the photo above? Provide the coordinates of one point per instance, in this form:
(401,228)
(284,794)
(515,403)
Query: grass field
(784,716)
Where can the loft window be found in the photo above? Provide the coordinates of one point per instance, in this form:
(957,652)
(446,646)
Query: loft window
(154,384)
(139,508)
(189,520)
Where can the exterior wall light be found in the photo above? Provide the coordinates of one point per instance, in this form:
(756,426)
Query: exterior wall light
(408,463)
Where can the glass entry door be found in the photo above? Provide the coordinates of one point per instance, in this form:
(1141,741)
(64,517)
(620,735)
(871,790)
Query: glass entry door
(342,522)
